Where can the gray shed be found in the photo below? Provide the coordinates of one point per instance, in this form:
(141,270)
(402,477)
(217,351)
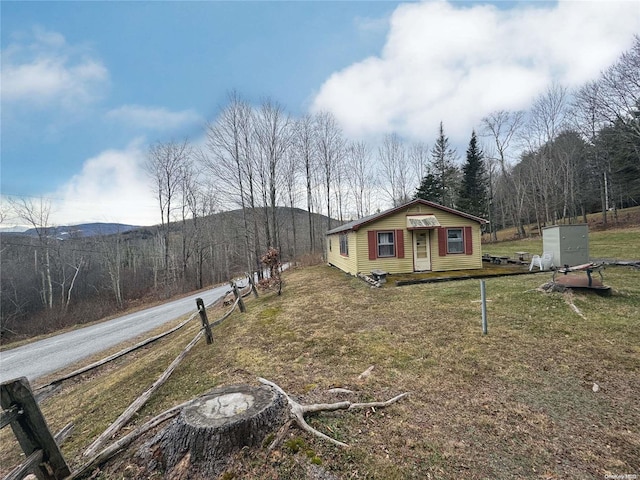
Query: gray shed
(569,244)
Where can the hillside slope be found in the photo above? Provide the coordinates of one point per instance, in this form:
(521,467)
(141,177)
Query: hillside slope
(517,403)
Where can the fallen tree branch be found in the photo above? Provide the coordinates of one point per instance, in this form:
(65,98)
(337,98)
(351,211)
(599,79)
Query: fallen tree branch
(115,447)
(366,373)
(568,298)
(280,435)
(298,410)
(353,406)
(123,419)
(339,390)
(63,434)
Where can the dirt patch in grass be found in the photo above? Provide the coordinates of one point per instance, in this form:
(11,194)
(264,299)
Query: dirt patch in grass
(517,403)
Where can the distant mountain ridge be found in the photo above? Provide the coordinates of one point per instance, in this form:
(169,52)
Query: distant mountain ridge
(82,230)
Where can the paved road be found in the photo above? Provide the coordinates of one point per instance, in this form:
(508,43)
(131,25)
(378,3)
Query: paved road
(51,354)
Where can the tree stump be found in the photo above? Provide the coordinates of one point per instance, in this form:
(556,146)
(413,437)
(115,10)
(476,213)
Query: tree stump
(200,440)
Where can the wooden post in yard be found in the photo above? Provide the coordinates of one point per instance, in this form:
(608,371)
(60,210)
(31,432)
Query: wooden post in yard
(236,293)
(205,321)
(32,432)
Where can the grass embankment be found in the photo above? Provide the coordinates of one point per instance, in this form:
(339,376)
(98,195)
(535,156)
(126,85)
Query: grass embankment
(620,244)
(627,217)
(518,403)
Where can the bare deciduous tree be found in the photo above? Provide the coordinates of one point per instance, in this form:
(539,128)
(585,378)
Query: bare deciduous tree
(291,172)
(305,149)
(36,214)
(619,95)
(361,177)
(547,119)
(165,165)
(330,145)
(503,127)
(228,141)
(394,169)
(612,101)
(418,156)
(273,137)
(111,250)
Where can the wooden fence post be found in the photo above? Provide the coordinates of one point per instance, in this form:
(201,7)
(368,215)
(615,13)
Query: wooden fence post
(32,432)
(253,284)
(205,320)
(236,293)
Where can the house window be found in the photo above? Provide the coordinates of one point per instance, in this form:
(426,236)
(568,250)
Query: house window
(455,240)
(386,244)
(344,245)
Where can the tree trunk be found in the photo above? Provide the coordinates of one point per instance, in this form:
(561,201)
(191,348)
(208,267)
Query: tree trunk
(213,426)
(294,250)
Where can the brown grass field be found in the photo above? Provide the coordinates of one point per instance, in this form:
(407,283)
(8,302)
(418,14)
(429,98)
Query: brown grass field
(516,403)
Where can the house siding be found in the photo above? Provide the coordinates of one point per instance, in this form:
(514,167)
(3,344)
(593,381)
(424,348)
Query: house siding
(348,264)
(455,261)
(388,264)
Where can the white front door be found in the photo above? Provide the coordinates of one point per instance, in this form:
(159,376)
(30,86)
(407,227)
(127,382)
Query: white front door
(421,251)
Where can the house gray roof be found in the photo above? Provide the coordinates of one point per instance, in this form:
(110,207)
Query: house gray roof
(356,224)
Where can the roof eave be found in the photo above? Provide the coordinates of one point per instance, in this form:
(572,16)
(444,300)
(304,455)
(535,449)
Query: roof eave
(356,226)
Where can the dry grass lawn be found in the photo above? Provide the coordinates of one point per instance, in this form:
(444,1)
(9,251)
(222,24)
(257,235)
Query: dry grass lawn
(517,403)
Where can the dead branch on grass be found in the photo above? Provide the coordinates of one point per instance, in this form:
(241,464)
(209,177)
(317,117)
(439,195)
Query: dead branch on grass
(340,390)
(568,298)
(298,411)
(115,447)
(366,373)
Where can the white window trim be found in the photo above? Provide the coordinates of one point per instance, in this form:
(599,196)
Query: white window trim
(344,241)
(455,241)
(392,243)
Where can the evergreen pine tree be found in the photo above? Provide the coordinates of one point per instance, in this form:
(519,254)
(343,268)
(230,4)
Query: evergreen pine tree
(429,189)
(473,196)
(444,169)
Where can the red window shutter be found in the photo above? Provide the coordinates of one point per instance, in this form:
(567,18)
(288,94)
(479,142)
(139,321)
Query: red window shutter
(400,243)
(442,241)
(373,245)
(468,241)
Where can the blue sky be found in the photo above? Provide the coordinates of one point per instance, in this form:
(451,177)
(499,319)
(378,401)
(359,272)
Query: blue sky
(86,86)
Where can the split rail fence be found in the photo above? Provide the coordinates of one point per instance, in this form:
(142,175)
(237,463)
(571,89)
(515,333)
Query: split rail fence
(21,411)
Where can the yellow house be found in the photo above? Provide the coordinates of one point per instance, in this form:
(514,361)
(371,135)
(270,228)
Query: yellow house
(415,237)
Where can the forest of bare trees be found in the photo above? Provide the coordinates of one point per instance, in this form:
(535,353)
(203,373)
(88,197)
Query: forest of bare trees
(263,178)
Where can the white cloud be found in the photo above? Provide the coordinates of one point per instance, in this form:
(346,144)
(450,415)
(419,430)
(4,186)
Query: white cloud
(452,63)
(44,70)
(111,187)
(369,25)
(153,117)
